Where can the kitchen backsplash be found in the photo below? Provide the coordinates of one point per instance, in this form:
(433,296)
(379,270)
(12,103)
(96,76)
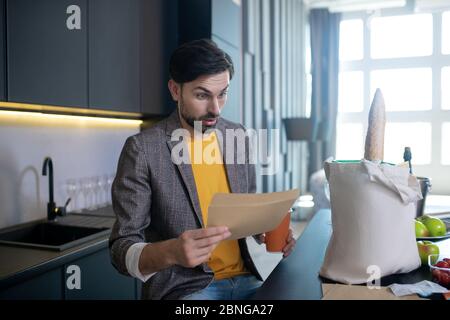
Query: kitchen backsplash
(79,148)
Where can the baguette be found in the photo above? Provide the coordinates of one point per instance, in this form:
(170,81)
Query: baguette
(374,146)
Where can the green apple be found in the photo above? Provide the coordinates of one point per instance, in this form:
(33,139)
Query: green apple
(435,226)
(421,230)
(425,249)
(423,218)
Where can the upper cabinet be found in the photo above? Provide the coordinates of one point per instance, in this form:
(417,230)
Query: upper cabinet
(129,47)
(114,55)
(158,39)
(47,52)
(219,20)
(99,54)
(2,51)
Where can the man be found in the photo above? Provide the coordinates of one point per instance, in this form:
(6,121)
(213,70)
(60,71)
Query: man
(162,206)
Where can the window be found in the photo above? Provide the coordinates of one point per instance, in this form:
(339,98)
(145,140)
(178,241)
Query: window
(416,135)
(445,139)
(351,38)
(445,88)
(351,91)
(350,141)
(413,73)
(406,89)
(401,36)
(446,32)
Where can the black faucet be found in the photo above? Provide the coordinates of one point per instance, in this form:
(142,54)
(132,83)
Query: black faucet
(52,210)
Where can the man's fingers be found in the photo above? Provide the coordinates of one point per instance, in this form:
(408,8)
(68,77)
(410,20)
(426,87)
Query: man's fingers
(289,246)
(289,235)
(203,258)
(287,250)
(262,238)
(206,242)
(207,232)
(204,251)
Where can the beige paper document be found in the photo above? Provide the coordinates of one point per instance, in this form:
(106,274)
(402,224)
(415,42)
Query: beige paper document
(333,291)
(247,214)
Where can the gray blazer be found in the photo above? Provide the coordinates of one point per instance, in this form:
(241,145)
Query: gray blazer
(155,200)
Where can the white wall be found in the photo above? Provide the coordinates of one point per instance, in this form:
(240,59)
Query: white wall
(78,148)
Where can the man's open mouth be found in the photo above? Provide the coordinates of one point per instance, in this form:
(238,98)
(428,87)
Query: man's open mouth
(209,122)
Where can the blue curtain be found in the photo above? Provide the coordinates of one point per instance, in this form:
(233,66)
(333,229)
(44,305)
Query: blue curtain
(324,28)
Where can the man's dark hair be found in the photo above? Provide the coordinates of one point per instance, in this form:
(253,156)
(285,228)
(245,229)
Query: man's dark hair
(196,58)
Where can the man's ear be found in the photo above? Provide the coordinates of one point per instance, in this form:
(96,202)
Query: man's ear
(175,89)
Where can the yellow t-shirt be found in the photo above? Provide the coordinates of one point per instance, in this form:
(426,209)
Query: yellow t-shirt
(210,177)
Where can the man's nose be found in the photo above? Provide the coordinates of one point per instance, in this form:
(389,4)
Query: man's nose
(213,107)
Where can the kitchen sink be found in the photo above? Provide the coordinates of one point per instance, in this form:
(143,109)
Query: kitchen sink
(50,235)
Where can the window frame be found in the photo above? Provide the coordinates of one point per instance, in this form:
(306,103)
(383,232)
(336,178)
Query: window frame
(437,116)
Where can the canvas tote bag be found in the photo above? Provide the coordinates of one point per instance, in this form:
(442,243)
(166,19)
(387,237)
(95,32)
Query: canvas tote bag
(373,214)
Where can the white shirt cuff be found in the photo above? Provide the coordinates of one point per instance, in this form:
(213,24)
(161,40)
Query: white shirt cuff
(132,261)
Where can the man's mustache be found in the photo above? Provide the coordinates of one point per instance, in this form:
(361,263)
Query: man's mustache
(209,116)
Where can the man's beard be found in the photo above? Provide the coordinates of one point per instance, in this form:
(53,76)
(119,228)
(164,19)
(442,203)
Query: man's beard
(190,120)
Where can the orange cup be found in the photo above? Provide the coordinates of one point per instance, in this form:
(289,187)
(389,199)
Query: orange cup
(276,239)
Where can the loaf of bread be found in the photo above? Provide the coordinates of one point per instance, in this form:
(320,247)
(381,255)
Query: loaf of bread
(374,147)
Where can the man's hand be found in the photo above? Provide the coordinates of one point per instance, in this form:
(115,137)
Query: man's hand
(194,247)
(290,243)
(190,249)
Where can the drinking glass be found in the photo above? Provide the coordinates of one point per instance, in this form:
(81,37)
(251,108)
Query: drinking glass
(72,190)
(109,183)
(86,188)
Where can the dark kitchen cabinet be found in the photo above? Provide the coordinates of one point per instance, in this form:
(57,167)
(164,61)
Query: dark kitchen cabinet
(129,47)
(115,59)
(2,51)
(219,20)
(99,279)
(47,52)
(158,39)
(46,286)
(114,82)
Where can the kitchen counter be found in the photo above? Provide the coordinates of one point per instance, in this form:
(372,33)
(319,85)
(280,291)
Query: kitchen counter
(21,263)
(297,276)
